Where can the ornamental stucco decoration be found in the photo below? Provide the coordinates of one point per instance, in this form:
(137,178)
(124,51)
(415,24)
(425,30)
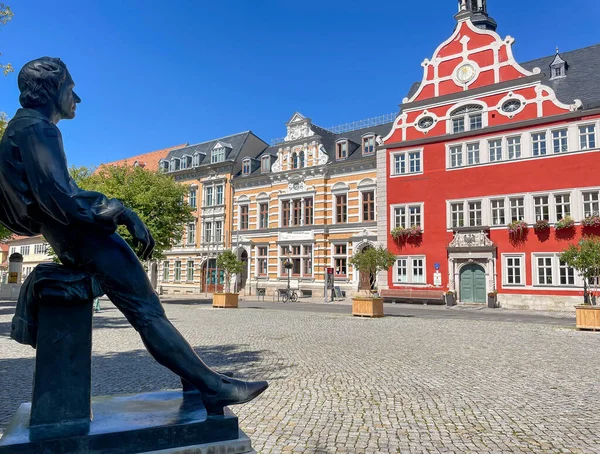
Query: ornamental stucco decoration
(471,239)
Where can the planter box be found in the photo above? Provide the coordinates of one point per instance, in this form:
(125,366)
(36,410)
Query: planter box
(225,300)
(450,299)
(491,300)
(587,317)
(367,307)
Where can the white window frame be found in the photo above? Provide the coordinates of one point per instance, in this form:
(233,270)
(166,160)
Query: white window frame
(262,257)
(218,232)
(217,155)
(410,267)
(495,148)
(209,201)
(467,117)
(368,143)
(187,270)
(587,135)
(192,198)
(554,270)
(246,167)
(408,157)
(407,214)
(560,137)
(341,145)
(522,274)
(595,201)
(265,168)
(335,256)
(539,147)
(191,233)
(556,204)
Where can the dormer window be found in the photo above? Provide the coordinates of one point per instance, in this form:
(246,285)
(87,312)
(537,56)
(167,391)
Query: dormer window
(558,67)
(466,118)
(368,144)
(175,164)
(196,160)
(341,150)
(218,155)
(164,166)
(246,167)
(265,164)
(186,162)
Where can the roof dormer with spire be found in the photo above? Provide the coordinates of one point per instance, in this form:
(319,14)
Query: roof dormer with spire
(476,10)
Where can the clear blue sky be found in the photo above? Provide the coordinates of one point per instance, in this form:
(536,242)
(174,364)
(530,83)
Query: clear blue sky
(156,74)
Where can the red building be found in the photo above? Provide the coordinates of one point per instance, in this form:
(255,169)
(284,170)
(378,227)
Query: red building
(483,143)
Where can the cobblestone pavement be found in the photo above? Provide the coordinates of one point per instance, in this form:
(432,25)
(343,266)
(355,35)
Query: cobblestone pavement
(340,384)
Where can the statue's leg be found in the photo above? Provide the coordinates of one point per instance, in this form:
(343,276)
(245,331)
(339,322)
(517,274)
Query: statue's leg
(125,282)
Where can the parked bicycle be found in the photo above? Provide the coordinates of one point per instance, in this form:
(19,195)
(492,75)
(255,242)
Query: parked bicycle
(289,295)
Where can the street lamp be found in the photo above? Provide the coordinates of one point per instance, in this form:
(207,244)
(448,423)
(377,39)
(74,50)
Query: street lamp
(288,265)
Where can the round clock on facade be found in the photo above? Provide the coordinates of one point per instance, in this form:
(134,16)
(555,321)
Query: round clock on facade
(512,105)
(425,122)
(465,73)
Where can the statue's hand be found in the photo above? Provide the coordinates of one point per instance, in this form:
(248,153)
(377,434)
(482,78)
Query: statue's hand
(142,239)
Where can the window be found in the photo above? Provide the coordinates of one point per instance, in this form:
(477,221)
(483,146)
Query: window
(591,206)
(217,155)
(308,211)
(341,208)
(473,153)
(414,162)
(559,141)
(538,144)
(517,209)
(244,217)
(544,270)
(339,259)
(301,159)
(265,163)
(164,165)
(410,270)
(495,147)
(498,213)
(190,271)
(541,208)
(513,144)
(407,216)
(514,270)
(208,196)
(297,212)
(307,261)
(208,232)
(196,160)
(294,160)
(40,248)
(220,195)
(246,167)
(470,115)
(563,206)
(192,198)
(456,156)
(191,233)
(219,231)
(558,71)
(341,150)
(177,270)
(474,214)
(368,144)
(587,137)
(565,273)
(262,260)
(175,164)
(285,213)
(368,206)
(25,250)
(263,210)
(457,214)
(166,270)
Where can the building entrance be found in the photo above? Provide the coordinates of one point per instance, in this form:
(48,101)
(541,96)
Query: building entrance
(472,284)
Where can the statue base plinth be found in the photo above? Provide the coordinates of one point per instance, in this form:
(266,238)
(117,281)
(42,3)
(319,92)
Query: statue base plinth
(157,422)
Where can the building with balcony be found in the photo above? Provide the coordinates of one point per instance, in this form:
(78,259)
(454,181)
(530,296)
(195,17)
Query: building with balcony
(310,199)
(206,169)
(483,144)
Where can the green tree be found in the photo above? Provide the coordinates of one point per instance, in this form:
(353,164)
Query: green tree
(584,257)
(229,263)
(373,261)
(5,15)
(155,197)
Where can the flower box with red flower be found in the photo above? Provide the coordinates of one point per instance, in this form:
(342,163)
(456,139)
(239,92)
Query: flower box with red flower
(517,227)
(565,223)
(541,225)
(591,221)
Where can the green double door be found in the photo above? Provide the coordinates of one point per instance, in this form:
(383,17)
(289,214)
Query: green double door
(472,284)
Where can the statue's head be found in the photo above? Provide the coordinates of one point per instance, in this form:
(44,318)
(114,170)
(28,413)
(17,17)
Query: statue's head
(46,83)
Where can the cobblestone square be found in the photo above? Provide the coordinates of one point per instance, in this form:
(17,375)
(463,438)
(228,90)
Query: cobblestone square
(340,384)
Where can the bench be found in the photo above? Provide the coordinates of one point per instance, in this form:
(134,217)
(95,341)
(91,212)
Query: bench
(424,296)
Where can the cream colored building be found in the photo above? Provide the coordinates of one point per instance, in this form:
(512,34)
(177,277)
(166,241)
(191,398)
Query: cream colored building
(34,250)
(311,199)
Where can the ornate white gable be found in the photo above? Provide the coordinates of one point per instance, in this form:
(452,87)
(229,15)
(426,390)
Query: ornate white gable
(298,128)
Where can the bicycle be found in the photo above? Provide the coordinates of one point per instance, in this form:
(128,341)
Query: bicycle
(289,295)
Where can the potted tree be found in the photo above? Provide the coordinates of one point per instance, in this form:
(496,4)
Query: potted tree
(229,263)
(371,261)
(585,258)
(492,299)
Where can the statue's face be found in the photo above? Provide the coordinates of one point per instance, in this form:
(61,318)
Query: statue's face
(67,99)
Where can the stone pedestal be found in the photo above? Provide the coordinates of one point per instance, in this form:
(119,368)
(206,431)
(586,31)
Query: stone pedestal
(169,422)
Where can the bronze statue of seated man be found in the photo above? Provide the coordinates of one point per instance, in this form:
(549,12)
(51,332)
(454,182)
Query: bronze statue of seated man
(37,195)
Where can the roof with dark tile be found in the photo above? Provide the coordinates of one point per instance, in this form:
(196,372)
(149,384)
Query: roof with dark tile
(582,81)
(147,160)
(232,143)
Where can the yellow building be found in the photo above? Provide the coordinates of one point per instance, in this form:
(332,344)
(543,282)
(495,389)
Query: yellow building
(206,168)
(311,198)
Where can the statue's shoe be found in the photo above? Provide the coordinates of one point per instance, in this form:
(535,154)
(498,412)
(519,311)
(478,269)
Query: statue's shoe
(231,392)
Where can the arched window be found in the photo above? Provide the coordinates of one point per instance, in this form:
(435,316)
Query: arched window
(301,159)
(466,118)
(294,160)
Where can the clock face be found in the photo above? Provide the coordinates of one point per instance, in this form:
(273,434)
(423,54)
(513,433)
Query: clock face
(511,106)
(465,73)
